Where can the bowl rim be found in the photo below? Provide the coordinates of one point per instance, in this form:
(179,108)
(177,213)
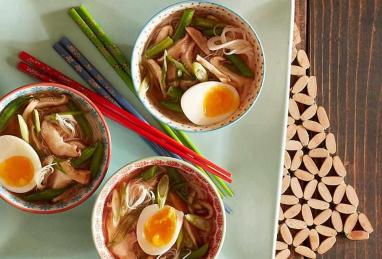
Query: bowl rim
(134,58)
(103,171)
(164,159)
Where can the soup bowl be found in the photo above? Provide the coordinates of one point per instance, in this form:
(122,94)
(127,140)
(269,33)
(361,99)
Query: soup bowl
(247,100)
(128,172)
(100,130)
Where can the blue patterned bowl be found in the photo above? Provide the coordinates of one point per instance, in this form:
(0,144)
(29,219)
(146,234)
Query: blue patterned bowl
(100,129)
(248,99)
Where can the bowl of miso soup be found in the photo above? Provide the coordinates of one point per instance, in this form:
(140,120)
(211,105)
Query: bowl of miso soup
(55,148)
(158,207)
(198,66)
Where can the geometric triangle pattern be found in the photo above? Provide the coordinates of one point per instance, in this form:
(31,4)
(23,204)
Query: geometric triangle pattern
(316,203)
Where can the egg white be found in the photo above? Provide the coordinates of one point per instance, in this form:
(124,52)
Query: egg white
(145,244)
(193,99)
(14,146)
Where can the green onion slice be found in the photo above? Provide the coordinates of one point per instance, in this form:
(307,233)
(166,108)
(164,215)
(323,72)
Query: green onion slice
(23,128)
(199,71)
(162,190)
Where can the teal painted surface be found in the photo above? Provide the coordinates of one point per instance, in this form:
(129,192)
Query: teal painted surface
(251,149)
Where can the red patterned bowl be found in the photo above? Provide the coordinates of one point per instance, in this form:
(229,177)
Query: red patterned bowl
(191,174)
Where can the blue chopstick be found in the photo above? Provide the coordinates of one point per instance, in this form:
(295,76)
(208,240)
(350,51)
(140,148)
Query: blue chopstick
(82,71)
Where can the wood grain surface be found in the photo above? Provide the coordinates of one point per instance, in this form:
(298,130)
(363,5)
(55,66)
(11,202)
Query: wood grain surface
(343,39)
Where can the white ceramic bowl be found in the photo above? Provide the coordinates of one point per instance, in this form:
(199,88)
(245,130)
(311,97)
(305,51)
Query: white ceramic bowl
(246,103)
(189,172)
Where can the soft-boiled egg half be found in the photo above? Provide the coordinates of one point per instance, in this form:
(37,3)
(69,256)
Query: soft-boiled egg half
(210,102)
(19,164)
(158,229)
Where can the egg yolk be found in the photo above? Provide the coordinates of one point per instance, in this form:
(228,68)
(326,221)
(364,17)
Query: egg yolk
(219,100)
(16,171)
(160,227)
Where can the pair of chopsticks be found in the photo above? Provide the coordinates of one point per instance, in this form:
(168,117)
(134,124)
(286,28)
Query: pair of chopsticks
(118,61)
(98,82)
(36,68)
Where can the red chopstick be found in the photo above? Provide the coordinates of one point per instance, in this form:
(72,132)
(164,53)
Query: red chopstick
(30,71)
(48,70)
(125,118)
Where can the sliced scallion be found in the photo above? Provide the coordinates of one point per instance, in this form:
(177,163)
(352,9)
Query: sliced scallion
(144,86)
(178,65)
(23,128)
(199,71)
(162,190)
(37,121)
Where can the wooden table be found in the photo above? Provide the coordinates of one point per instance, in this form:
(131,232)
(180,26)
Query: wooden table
(343,39)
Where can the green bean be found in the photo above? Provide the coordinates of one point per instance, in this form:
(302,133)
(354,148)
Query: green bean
(149,173)
(175,93)
(181,189)
(185,21)
(96,159)
(57,164)
(178,184)
(205,23)
(240,65)
(86,154)
(216,31)
(82,121)
(158,48)
(174,175)
(199,253)
(10,111)
(44,195)
(231,67)
(175,107)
